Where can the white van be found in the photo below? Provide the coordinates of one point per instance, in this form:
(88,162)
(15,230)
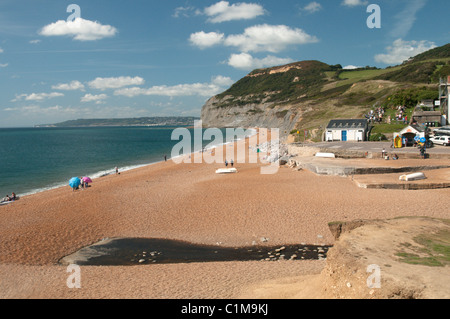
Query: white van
(441,140)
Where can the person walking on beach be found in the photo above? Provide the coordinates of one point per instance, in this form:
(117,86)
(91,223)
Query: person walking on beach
(165,158)
(117,170)
(226,163)
(231,162)
(423,151)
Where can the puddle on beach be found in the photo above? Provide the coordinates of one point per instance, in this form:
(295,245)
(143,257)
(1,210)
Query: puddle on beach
(137,251)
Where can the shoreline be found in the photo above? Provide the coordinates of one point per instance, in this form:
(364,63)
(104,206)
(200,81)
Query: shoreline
(104,173)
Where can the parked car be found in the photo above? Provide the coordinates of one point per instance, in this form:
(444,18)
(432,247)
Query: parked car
(441,140)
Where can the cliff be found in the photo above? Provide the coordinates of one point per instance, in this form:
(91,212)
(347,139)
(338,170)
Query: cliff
(267,97)
(266,115)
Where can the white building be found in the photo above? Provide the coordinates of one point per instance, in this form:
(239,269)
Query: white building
(444,98)
(347,130)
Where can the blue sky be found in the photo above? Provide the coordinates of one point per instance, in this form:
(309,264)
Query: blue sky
(139,58)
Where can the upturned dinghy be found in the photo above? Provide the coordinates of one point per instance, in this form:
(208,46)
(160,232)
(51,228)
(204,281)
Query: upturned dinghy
(226,171)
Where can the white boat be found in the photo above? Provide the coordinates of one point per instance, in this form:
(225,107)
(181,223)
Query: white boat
(412,177)
(325,155)
(226,170)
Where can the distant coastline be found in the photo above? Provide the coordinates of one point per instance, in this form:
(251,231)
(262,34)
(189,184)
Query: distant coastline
(140,121)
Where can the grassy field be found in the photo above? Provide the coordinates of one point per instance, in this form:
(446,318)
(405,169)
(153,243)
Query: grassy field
(358,75)
(434,250)
(385,128)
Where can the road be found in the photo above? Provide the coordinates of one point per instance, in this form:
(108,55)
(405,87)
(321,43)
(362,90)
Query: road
(378,147)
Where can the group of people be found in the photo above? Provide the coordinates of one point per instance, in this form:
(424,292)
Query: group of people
(83,184)
(385,155)
(231,163)
(11,198)
(401,114)
(376,115)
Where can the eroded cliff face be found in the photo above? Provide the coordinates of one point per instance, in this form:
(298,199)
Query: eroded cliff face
(264,115)
(268,98)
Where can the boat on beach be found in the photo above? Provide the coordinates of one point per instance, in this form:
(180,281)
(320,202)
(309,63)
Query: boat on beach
(226,171)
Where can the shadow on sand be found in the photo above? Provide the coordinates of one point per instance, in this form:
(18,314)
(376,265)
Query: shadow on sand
(136,251)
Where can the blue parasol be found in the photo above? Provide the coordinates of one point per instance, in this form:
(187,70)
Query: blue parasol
(74,182)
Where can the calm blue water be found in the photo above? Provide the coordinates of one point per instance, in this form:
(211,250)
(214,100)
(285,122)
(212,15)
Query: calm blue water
(36,159)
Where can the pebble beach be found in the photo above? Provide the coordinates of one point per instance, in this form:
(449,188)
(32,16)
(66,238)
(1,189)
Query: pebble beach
(187,202)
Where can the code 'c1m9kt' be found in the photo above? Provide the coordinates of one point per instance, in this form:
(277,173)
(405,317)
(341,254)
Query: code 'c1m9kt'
(231,308)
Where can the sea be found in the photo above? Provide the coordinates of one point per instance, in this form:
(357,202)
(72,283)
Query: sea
(34,160)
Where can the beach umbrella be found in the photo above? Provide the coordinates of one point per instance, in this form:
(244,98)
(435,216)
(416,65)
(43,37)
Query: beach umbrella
(87,180)
(74,182)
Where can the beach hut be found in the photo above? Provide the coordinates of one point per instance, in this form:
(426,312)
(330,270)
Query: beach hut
(347,130)
(411,132)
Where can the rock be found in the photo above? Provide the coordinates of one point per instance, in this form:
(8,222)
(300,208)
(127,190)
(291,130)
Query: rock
(284,160)
(337,228)
(141,260)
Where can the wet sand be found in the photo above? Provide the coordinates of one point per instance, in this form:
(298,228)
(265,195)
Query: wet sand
(187,202)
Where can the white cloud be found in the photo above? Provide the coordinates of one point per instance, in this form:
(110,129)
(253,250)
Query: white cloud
(72,86)
(406,18)
(94,98)
(184,12)
(270,38)
(245,61)
(35,41)
(350,67)
(115,82)
(205,40)
(222,11)
(3,65)
(401,51)
(80,29)
(37,96)
(312,7)
(354,3)
(196,89)
(222,81)
(27,109)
